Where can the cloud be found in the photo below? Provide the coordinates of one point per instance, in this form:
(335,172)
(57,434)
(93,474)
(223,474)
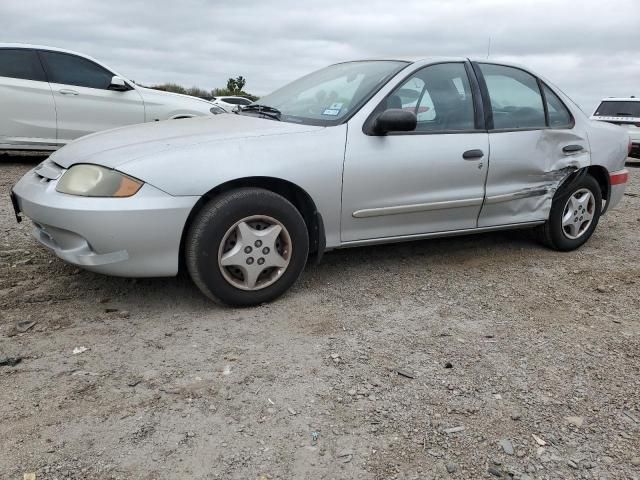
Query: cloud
(589,49)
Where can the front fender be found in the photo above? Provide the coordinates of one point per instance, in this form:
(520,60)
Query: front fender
(311,159)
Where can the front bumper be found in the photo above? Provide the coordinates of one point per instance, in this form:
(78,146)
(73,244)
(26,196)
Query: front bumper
(138,236)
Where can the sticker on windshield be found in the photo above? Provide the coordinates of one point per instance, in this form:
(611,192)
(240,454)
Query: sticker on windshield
(334,109)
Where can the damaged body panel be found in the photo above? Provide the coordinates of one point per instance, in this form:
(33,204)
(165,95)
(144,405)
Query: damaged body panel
(522,181)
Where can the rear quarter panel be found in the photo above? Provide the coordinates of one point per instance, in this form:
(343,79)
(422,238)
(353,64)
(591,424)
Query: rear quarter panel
(609,145)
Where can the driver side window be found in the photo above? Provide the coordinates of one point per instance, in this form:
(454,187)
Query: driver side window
(439,95)
(67,69)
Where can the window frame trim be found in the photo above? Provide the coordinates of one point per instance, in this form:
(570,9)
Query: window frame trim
(44,63)
(489,111)
(478,108)
(567,126)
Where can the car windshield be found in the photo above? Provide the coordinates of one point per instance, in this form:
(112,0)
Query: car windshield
(327,96)
(615,108)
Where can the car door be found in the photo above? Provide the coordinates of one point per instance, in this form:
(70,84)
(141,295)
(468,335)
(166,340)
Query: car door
(534,144)
(428,180)
(84,101)
(28,118)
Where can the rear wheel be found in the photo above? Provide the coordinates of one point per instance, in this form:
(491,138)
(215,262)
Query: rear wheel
(246,247)
(574,214)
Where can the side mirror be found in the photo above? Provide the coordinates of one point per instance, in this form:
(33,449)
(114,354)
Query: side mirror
(118,84)
(395,120)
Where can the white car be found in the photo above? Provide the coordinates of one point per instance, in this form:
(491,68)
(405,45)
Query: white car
(230,103)
(624,112)
(51,96)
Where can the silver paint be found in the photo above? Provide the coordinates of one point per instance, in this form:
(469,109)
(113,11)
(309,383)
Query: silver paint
(368,189)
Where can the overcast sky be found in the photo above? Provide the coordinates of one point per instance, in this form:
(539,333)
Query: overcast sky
(589,48)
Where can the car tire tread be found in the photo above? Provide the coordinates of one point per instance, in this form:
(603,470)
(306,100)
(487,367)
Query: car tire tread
(550,233)
(218,215)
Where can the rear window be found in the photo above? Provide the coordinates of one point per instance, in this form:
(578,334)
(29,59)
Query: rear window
(618,108)
(236,101)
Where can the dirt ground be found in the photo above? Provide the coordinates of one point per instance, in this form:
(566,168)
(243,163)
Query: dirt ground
(515,362)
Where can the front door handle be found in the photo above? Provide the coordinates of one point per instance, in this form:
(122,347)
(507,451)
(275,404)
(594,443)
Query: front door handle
(473,154)
(572,148)
(66,91)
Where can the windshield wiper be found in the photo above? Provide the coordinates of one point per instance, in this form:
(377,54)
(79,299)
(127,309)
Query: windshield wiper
(265,110)
(623,114)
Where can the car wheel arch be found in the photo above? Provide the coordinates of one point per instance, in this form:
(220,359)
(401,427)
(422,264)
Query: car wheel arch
(601,174)
(292,192)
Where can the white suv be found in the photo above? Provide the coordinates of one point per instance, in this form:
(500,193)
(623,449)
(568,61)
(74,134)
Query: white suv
(230,103)
(51,96)
(624,112)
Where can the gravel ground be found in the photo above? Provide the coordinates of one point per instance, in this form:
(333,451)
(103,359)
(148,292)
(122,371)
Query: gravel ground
(478,357)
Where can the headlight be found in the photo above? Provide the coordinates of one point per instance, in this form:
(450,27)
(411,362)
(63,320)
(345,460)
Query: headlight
(216,110)
(96,181)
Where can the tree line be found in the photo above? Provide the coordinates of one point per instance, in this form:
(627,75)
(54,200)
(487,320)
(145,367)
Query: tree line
(235,87)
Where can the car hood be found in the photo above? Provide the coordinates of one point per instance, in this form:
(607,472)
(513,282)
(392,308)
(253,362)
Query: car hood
(161,97)
(112,148)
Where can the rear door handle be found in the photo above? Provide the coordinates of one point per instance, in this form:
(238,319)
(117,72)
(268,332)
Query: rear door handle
(572,148)
(66,91)
(473,154)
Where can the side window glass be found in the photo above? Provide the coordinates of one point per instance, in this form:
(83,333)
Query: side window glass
(21,63)
(559,115)
(72,70)
(515,97)
(439,95)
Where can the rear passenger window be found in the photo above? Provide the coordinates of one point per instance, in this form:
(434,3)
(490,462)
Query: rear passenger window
(559,115)
(439,95)
(236,101)
(69,69)
(516,101)
(21,63)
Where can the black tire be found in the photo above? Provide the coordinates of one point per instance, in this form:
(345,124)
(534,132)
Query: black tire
(212,223)
(552,232)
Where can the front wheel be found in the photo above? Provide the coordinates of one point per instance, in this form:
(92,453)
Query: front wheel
(246,247)
(574,215)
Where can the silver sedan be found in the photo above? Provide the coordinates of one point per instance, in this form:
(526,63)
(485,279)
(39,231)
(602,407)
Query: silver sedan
(356,153)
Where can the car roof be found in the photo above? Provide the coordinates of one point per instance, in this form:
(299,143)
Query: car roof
(621,99)
(41,47)
(29,46)
(442,59)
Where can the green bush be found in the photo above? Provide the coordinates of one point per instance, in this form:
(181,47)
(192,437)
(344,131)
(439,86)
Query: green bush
(234,87)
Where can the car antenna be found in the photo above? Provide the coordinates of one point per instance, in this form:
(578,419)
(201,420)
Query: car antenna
(489,48)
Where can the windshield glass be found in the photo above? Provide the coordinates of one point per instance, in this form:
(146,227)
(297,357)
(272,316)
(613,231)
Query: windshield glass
(616,108)
(329,95)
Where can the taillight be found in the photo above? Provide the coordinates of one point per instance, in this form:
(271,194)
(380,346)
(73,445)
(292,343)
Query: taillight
(619,178)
